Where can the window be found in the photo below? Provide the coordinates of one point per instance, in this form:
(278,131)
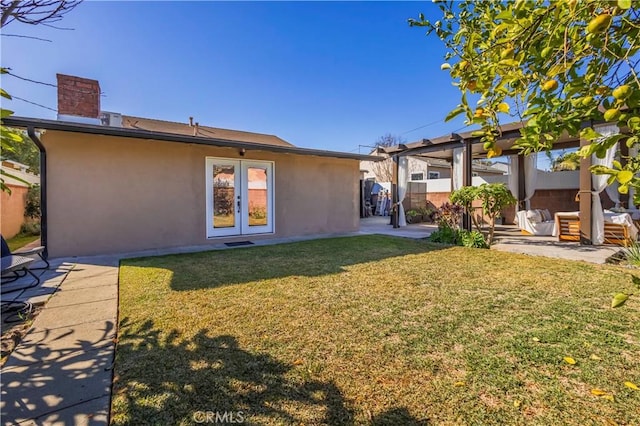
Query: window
(434,175)
(417,176)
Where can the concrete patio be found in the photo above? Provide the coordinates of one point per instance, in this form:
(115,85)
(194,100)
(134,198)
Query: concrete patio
(61,371)
(508,238)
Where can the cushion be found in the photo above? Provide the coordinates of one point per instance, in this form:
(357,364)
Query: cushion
(534,216)
(546,215)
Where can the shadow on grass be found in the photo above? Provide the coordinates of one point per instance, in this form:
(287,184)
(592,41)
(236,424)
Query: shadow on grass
(308,258)
(162,379)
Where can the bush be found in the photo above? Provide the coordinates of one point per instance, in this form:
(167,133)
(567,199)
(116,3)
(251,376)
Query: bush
(632,254)
(30,228)
(449,215)
(445,235)
(427,213)
(32,206)
(412,216)
(473,239)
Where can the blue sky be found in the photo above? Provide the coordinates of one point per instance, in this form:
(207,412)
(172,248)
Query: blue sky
(328,75)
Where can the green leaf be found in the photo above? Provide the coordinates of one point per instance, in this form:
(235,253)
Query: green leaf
(505,14)
(634,123)
(5,113)
(619,299)
(445,66)
(453,114)
(617,164)
(4,94)
(589,134)
(509,62)
(636,281)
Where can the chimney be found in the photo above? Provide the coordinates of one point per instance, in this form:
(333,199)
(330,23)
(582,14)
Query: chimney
(78,99)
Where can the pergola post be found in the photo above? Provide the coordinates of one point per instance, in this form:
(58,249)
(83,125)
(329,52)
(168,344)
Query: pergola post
(394,193)
(521,183)
(624,152)
(584,194)
(467,179)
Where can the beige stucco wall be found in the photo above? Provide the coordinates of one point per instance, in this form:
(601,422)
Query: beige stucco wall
(13,206)
(114,195)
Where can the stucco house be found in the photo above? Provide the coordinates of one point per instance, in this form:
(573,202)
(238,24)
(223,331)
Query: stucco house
(113,183)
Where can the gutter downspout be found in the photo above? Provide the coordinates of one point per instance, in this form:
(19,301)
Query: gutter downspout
(43,188)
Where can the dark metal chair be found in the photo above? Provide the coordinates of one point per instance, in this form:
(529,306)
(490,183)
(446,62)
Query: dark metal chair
(17,264)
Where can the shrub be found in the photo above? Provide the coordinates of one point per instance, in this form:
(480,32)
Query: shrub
(494,198)
(445,235)
(427,213)
(473,239)
(632,254)
(449,215)
(32,206)
(412,216)
(30,228)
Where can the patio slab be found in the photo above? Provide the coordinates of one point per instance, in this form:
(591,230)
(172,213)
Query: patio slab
(61,372)
(380,225)
(549,247)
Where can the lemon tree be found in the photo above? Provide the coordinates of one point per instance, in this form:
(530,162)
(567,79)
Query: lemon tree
(552,65)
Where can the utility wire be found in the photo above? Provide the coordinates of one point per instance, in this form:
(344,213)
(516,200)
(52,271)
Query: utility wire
(49,84)
(33,103)
(422,127)
(30,80)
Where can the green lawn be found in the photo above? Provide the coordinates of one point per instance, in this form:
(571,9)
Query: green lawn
(20,241)
(374,330)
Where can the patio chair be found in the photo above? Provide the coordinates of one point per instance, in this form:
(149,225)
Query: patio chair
(17,264)
(34,251)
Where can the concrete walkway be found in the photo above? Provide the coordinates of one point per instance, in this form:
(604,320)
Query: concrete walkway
(61,372)
(380,225)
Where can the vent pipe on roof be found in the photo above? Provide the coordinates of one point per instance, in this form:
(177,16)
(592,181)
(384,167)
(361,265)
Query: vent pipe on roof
(190,121)
(195,129)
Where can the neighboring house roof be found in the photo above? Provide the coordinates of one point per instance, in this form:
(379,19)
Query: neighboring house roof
(18,170)
(442,163)
(126,132)
(203,131)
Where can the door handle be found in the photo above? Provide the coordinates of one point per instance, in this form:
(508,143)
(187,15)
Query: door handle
(238,204)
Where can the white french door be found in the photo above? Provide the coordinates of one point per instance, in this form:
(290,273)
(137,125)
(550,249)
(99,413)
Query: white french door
(239,197)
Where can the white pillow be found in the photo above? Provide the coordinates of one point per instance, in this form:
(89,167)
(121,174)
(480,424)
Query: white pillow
(534,216)
(546,215)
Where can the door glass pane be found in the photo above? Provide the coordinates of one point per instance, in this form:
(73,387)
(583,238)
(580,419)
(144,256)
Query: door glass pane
(258,207)
(223,196)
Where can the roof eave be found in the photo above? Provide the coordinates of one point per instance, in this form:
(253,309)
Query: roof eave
(64,126)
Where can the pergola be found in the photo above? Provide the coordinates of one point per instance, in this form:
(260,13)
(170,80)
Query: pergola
(462,148)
